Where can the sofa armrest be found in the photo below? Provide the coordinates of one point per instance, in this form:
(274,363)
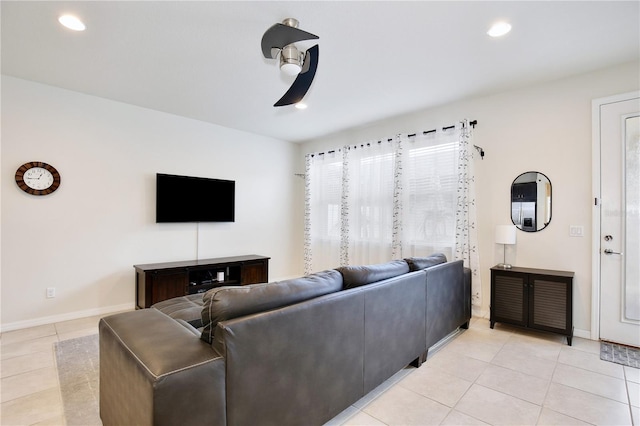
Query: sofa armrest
(154,371)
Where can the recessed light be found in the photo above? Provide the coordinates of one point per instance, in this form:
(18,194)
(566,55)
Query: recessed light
(72,22)
(301,105)
(499,29)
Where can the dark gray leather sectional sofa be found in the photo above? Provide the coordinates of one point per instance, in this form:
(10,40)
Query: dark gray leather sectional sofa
(295,352)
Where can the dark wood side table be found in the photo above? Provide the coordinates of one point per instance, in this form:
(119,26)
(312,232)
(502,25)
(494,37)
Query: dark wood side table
(539,299)
(156,282)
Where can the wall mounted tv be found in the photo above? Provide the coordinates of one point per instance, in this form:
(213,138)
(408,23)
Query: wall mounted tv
(194,199)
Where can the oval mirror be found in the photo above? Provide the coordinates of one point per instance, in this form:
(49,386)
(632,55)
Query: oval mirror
(531,201)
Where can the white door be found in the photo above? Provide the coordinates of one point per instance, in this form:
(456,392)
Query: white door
(619,202)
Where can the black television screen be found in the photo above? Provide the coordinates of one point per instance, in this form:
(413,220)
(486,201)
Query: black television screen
(194,199)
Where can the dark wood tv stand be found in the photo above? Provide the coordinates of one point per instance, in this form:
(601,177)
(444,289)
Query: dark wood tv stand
(156,282)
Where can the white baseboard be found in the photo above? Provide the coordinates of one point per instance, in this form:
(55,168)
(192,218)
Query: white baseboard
(584,334)
(17,325)
(478,312)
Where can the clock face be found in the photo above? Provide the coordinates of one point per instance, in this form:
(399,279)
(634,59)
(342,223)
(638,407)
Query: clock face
(37,178)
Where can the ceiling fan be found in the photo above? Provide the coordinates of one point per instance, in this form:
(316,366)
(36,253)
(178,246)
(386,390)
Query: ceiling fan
(279,39)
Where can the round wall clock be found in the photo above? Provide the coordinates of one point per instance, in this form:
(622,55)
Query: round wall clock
(37,178)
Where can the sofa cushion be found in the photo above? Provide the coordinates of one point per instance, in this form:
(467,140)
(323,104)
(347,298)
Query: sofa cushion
(224,303)
(356,276)
(186,308)
(418,263)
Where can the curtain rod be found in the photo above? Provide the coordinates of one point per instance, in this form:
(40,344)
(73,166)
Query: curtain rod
(472,123)
(444,129)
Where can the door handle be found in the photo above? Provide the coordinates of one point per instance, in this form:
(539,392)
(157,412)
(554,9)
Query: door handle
(609,251)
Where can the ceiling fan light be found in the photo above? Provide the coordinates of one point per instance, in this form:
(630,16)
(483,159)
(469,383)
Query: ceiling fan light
(72,22)
(290,68)
(291,60)
(499,29)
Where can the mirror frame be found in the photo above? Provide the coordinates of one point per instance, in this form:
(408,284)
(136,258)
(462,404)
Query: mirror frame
(527,195)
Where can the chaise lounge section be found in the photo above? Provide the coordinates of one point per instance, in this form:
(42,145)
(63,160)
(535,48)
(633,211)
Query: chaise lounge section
(285,353)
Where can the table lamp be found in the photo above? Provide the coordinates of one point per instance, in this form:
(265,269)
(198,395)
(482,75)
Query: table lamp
(505,234)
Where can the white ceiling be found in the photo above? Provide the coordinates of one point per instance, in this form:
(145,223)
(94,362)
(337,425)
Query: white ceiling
(377,59)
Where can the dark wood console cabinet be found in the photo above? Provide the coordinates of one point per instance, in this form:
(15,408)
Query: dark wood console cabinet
(539,299)
(156,282)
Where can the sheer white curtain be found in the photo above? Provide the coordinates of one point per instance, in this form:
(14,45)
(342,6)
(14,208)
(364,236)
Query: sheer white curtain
(466,226)
(430,194)
(405,197)
(369,196)
(323,198)
(352,205)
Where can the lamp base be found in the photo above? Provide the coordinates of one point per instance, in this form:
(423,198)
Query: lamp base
(504,265)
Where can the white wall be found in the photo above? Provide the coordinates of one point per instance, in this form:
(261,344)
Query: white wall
(546,128)
(84,238)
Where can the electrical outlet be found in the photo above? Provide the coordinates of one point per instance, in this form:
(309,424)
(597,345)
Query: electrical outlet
(51,292)
(576,231)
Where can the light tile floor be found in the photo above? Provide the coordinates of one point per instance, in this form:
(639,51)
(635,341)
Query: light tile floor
(504,376)
(29,387)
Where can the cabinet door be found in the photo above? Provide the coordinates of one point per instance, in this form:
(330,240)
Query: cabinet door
(167,285)
(524,191)
(508,298)
(550,303)
(253,273)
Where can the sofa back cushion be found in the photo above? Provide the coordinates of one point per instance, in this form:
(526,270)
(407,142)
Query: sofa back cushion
(356,276)
(224,303)
(418,263)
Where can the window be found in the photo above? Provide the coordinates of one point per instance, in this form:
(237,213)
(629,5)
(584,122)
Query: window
(359,189)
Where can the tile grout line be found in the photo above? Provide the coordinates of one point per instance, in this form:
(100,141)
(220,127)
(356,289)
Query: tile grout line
(626,385)
(475,383)
(546,394)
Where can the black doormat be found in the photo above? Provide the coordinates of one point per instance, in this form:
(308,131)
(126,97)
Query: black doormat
(620,354)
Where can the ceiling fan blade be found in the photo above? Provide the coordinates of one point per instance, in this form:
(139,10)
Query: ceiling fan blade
(303,81)
(279,35)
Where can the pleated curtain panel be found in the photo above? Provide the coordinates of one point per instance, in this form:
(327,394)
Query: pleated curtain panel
(407,196)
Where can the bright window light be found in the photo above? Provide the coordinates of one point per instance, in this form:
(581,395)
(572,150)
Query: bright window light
(72,22)
(301,105)
(499,29)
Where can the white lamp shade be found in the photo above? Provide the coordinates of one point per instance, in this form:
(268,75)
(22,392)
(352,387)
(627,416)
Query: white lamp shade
(506,234)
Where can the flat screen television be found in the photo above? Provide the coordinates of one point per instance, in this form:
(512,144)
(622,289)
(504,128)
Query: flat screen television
(194,199)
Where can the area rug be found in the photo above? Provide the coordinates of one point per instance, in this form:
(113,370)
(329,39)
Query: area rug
(620,354)
(78,373)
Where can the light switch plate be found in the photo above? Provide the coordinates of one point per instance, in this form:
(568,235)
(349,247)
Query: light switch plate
(576,231)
